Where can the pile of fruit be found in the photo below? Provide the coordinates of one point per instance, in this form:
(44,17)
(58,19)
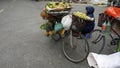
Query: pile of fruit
(54,12)
(57,6)
(81,15)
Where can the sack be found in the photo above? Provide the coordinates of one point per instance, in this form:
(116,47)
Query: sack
(104,61)
(101,19)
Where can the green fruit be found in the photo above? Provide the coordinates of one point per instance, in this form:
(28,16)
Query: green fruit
(43,27)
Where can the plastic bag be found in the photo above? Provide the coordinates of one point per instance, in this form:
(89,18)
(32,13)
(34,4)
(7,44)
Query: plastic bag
(67,21)
(112,11)
(58,26)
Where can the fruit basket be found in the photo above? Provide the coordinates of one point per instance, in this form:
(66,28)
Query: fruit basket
(58,12)
(56,8)
(81,15)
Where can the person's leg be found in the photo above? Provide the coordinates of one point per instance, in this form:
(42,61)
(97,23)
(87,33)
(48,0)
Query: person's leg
(86,31)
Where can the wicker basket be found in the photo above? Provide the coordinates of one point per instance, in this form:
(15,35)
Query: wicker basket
(79,22)
(59,11)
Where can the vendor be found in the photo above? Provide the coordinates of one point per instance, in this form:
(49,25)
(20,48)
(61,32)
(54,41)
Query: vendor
(90,26)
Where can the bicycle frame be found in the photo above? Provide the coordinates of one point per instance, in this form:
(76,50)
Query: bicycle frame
(112,21)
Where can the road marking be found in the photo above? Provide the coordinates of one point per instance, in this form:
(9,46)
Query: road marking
(2,10)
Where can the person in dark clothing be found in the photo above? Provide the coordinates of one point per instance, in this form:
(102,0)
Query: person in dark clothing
(90,25)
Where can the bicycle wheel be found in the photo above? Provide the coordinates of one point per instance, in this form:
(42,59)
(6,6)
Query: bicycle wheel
(75,49)
(56,36)
(97,41)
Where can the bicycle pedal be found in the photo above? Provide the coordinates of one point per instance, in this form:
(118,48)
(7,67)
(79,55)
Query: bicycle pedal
(114,41)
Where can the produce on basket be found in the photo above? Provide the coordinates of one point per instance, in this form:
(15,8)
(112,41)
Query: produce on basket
(46,26)
(81,15)
(57,6)
(46,16)
(53,13)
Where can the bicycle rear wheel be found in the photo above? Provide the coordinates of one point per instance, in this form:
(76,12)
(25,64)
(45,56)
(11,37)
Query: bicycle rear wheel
(97,41)
(56,36)
(76,50)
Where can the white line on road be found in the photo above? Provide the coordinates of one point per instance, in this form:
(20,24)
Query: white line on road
(2,10)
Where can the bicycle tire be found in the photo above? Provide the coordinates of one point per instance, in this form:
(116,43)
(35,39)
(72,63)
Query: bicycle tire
(56,37)
(75,54)
(97,43)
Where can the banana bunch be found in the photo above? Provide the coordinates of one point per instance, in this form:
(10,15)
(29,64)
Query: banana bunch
(57,5)
(64,5)
(50,6)
(68,5)
(61,5)
(81,15)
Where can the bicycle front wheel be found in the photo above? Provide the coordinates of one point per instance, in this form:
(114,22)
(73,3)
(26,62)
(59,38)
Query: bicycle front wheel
(97,41)
(75,49)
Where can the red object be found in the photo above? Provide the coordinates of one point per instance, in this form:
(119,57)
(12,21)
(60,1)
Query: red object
(101,19)
(104,27)
(113,11)
(44,14)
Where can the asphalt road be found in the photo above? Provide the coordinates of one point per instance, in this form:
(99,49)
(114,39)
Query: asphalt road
(23,44)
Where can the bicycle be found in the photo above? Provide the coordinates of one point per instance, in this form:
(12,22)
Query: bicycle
(71,38)
(98,39)
(56,29)
(75,45)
